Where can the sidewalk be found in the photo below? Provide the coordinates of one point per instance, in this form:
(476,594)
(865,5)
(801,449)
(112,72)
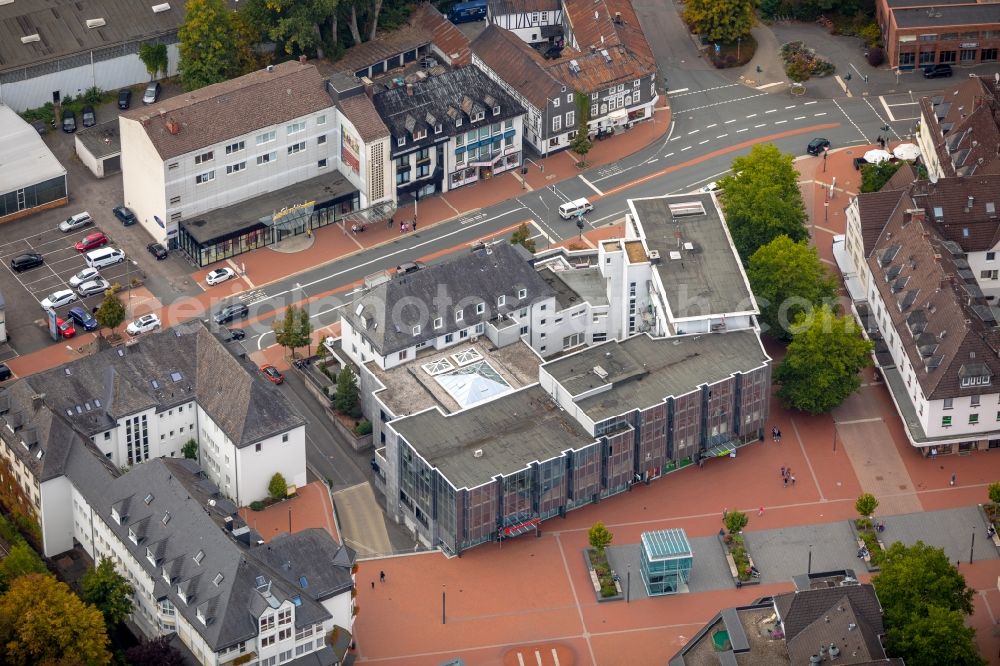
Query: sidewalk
(332,243)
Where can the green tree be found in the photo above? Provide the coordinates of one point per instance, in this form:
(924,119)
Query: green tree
(720,20)
(304,331)
(286,329)
(302,26)
(190,450)
(823,361)
(600,537)
(43,622)
(994,492)
(21,561)
(522,236)
(207,44)
(874,176)
(762,200)
(154,57)
(925,600)
(277,487)
(788,278)
(111,313)
(346,399)
(106,589)
(866,505)
(581,143)
(735,521)
(939,637)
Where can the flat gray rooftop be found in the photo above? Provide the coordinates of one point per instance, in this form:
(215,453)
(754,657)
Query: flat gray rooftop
(960,15)
(102,139)
(512,431)
(220,223)
(707,278)
(642,371)
(25,160)
(575,286)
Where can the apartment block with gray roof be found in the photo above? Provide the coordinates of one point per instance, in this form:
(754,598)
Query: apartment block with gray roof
(960,129)
(145,401)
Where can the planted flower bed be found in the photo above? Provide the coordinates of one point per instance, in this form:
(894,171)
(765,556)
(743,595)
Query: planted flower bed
(867,538)
(605,586)
(738,557)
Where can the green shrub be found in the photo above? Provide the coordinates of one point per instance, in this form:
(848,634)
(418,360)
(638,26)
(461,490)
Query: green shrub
(256,506)
(363,428)
(609,590)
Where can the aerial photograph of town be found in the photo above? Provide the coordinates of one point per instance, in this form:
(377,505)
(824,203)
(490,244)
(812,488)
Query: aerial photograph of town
(499,332)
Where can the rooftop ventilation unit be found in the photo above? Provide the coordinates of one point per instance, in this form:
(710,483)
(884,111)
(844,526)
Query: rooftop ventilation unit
(478,453)
(574,66)
(159,9)
(674,255)
(28,39)
(600,372)
(95,23)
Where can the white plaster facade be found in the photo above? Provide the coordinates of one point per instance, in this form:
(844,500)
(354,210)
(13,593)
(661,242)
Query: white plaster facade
(527,25)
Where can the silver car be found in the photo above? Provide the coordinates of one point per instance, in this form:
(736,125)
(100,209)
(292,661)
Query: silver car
(98,286)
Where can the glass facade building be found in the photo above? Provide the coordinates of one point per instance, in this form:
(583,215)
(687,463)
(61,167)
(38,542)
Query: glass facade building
(665,561)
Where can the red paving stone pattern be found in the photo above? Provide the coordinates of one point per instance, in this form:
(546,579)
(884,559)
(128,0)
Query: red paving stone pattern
(311,507)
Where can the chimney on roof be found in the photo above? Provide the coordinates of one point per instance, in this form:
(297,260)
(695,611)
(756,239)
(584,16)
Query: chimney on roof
(618,18)
(369,86)
(270,68)
(37,401)
(173,126)
(302,59)
(409,90)
(918,215)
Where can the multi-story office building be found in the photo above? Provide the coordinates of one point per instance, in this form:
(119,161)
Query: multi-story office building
(269,141)
(918,33)
(479,437)
(930,276)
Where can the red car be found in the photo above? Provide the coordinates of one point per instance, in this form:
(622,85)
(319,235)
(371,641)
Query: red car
(91,242)
(271,374)
(66,328)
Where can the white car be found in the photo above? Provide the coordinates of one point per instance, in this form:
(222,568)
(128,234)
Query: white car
(75,222)
(57,299)
(219,275)
(144,324)
(86,275)
(98,286)
(711,187)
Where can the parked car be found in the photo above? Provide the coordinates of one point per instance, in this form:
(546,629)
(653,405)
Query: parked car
(231,312)
(5,372)
(57,299)
(409,267)
(157,250)
(125,215)
(818,145)
(75,222)
(82,318)
(65,327)
(219,275)
(91,242)
(144,324)
(231,334)
(98,286)
(152,93)
(271,374)
(937,71)
(68,121)
(25,261)
(86,275)
(89,117)
(124,98)
(711,187)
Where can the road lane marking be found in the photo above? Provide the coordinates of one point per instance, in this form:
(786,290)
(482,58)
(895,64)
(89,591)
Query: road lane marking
(808,103)
(885,106)
(674,93)
(799,118)
(675,138)
(779,122)
(761,125)
(752,115)
(770,111)
(591,185)
(790,107)
(685,148)
(722,136)
(745,129)
(729,121)
(653,161)
(711,126)
(694,131)
(851,120)
(817,115)
(701,143)
(695,92)
(770,85)
(708,106)
(669,155)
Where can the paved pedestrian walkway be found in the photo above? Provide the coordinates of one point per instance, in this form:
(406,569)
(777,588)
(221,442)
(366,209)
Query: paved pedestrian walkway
(311,507)
(362,521)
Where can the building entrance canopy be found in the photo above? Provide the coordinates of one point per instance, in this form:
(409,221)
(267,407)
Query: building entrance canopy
(380,212)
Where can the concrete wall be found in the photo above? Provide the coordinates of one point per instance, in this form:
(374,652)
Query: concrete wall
(143,178)
(284,453)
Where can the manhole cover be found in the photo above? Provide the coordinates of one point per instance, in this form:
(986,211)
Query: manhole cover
(878,478)
(904,487)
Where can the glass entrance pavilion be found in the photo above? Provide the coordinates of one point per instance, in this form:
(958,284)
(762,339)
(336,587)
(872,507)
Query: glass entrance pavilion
(666,561)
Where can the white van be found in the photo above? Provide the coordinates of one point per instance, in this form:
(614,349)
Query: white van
(574,208)
(105,256)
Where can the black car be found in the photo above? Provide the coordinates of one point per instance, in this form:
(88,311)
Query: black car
(89,117)
(817,146)
(231,312)
(26,261)
(125,215)
(68,121)
(5,372)
(937,71)
(157,251)
(124,98)
(231,334)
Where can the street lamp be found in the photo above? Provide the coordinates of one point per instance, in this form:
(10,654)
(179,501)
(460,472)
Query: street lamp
(628,584)
(973,546)
(809,565)
(442,604)
(826,217)
(834,436)
(825,151)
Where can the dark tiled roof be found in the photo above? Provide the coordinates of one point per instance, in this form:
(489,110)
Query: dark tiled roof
(440,290)
(362,114)
(459,93)
(310,560)
(874,211)
(965,125)
(503,7)
(801,611)
(611,25)
(167,521)
(976,228)
(233,108)
(62,27)
(518,64)
(939,321)
(426,26)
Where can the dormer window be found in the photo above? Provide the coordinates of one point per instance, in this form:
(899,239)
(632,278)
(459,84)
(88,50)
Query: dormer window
(180,593)
(480,308)
(459,315)
(522,293)
(132,537)
(496,110)
(479,116)
(458,122)
(200,614)
(199,556)
(401,141)
(501,300)
(438,128)
(982,380)
(416,330)
(150,556)
(419,134)
(166,576)
(115,516)
(218,579)
(438,323)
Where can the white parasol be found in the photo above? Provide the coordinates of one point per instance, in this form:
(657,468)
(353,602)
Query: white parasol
(906,151)
(876,156)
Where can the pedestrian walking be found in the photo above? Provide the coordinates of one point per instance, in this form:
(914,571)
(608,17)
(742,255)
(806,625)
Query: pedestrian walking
(779,434)
(725,513)
(761,511)
(373,585)
(952,479)
(381,576)
(389,223)
(793,479)
(414,224)
(782,471)
(774,434)
(785,481)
